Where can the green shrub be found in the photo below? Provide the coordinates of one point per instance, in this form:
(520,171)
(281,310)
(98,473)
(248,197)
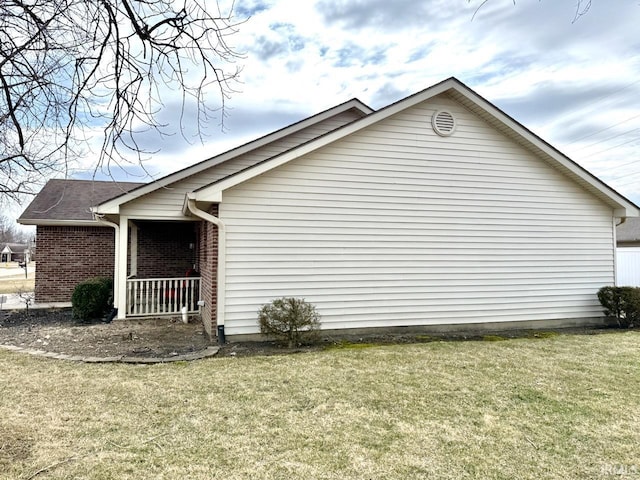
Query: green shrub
(631,303)
(623,303)
(92,298)
(291,320)
(609,298)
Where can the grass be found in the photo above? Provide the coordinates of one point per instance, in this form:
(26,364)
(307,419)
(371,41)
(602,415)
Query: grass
(493,338)
(346,344)
(527,408)
(16,282)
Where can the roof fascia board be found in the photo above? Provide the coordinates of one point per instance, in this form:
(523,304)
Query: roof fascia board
(626,212)
(108,208)
(112,206)
(158,218)
(59,223)
(214,198)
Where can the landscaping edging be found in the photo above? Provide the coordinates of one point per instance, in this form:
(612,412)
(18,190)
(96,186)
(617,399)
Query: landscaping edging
(186,357)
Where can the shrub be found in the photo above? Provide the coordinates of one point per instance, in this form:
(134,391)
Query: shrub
(292,320)
(631,303)
(609,298)
(91,299)
(623,303)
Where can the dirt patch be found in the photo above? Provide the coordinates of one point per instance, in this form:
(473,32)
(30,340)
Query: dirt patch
(56,331)
(15,444)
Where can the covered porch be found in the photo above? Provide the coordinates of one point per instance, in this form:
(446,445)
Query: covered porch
(158,272)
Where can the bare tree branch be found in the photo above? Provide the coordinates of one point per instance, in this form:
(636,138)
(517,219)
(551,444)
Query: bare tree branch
(71,68)
(582,7)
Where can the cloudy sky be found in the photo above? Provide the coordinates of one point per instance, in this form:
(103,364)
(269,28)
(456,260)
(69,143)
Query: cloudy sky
(575,82)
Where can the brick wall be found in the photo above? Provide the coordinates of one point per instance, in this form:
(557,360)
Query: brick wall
(208,266)
(69,255)
(166,249)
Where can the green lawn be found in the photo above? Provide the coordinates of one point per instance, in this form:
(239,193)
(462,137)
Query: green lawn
(550,408)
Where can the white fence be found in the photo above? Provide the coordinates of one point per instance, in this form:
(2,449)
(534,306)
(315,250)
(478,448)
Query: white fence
(162,296)
(628,266)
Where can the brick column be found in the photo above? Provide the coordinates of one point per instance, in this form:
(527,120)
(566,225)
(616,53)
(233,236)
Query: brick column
(208,259)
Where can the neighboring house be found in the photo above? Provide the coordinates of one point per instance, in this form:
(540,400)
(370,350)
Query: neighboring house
(437,210)
(628,253)
(15,252)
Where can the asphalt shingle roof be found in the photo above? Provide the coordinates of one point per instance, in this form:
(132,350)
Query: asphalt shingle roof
(14,247)
(629,231)
(63,199)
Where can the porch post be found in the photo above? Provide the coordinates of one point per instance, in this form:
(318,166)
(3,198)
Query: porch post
(116,269)
(121,259)
(134,248)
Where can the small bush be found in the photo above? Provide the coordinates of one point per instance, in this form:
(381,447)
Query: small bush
(623,303)
(291,320)
(610,299)
(631,303)
(91,299)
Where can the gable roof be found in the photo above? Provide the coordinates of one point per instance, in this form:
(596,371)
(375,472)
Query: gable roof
(63,201)
(112,205)
(54,205)
(14,247)
(469,99)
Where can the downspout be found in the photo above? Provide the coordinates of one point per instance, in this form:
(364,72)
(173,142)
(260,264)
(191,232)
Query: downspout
(615,249)
(221,276)
(116,280)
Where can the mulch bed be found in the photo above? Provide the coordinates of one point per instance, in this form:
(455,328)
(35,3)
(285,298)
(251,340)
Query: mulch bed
(57,331)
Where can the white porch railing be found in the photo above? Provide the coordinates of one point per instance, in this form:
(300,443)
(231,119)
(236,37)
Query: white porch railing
(162,296)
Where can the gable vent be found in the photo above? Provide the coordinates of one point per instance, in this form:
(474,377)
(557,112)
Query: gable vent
(444,124)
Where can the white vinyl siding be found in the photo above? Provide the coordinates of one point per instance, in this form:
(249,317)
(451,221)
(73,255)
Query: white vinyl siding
(167,202)
(396,226)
